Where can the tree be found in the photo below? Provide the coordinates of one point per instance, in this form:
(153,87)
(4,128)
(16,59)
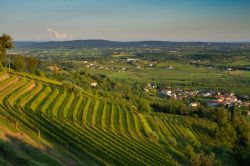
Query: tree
(203,159)
(189,151)
(221,117)
(5,43)
(55,70)
(225,133)
(243,131)
(234,116)
(32,64)
(184,110)
(19,63)
(144,105)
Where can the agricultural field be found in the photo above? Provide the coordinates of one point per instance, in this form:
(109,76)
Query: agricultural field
(183,75)
(88,131)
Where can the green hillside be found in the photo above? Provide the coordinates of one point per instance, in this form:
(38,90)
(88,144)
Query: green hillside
(85,130)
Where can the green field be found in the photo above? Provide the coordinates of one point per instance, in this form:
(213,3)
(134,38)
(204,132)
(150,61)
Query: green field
(185,75)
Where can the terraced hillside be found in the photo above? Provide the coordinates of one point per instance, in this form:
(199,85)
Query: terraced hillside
(97,131)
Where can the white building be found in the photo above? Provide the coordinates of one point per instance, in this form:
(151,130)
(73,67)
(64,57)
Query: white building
(93,84)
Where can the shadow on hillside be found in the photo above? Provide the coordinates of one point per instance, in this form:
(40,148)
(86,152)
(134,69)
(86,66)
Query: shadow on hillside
(17,152)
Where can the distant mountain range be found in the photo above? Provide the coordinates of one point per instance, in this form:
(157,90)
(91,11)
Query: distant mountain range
(117,44)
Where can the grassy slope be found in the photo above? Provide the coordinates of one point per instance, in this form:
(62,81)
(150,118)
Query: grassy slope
(102,132)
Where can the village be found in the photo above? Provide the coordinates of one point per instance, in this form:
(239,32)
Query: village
(209,97)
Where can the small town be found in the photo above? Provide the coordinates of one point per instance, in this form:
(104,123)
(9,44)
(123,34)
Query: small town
(212,98)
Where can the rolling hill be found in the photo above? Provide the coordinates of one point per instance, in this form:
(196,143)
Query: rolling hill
(118,44)
(79,129)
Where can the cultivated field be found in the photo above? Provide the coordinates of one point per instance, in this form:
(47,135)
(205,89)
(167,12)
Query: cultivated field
(95,131)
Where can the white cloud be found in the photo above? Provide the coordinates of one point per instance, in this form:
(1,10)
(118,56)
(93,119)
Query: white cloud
(57,35)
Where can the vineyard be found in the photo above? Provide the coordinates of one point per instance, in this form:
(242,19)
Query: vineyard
(98,132)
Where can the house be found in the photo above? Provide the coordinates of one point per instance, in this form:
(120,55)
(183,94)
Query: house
(174,96)
(172,51)
(221,99)
(151,86)
(226,98)
(208,94)
(194,104)
(93,84)
(166,92)
(171,68)
(132,59)
(100,68)
(169,93)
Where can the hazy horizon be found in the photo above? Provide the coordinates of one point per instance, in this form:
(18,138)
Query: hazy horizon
(205,41)
(127,20)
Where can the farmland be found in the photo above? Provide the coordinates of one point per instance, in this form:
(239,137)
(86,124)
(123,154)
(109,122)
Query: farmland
(97,131)
(192,68)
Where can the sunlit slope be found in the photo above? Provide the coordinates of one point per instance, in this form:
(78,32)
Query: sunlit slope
(97,131)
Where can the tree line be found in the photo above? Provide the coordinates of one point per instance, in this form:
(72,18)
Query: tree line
(6,42)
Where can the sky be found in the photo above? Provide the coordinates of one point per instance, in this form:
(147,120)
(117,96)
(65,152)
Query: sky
(126,20)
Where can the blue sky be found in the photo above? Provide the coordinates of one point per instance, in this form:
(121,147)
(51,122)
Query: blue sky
(126,20)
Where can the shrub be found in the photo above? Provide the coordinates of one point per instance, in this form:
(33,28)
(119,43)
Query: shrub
(71,87)
(202,159)
(189,151)
(39,73)
(172,141)
(144,106)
